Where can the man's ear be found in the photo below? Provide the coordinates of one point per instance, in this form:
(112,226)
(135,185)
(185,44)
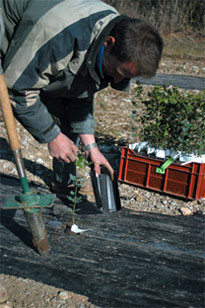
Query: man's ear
(109,42)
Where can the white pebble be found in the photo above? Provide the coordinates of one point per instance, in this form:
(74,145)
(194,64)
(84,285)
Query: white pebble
(64,295)
(185,211)
(6,165)
(25,141)
(127,100)
(39,160)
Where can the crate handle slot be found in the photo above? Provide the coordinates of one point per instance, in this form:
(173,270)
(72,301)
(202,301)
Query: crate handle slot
(165,165)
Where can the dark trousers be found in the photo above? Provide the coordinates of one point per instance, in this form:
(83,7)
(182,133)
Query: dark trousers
(58,108)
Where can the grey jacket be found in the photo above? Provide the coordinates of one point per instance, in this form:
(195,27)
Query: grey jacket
(51,48)
(1,35)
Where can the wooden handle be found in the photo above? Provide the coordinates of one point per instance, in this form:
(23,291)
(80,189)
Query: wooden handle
(8,115)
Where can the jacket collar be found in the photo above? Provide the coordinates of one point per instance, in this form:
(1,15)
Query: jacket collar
(92,54)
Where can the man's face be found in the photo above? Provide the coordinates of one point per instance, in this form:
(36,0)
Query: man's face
(118,70)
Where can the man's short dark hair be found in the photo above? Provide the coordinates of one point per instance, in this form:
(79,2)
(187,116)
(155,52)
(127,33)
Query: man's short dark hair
(137,41)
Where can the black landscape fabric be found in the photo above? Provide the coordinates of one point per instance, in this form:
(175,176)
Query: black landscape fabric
(127,259)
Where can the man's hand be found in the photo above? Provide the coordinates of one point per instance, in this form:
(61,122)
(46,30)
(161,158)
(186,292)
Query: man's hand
(99,160)
(63,148)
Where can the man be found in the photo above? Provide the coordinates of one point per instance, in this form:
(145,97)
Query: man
(56,55)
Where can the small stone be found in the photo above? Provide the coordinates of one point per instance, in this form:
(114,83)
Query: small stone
(5,306)
(127,100)
(13,171)
(201,201)
(64,295)
(53,300)
(185,211)
(25,141)
(81,306)
(3,294)
(10,304)
(72,305)
(6,165)
(39,160)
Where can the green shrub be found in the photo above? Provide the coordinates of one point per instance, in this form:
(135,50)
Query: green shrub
(172,119)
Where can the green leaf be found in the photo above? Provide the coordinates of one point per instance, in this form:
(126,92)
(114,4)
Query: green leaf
(72,177)
(171,117)
(69,210)
(70,198)
(79,200)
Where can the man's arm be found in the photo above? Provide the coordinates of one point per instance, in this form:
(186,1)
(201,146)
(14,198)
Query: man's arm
(81,118)
(95,155)
(33,115)
(37,120)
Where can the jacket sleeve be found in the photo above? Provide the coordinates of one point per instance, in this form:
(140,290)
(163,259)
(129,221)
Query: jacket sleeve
(39,49)
(1,36)
(80,115)
(34,116)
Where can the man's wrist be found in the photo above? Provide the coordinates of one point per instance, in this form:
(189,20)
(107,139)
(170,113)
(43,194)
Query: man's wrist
(90,146)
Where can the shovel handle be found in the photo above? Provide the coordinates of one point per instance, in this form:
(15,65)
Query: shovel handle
(8,115)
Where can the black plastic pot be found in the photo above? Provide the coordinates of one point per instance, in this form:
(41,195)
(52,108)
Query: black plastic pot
(106,192)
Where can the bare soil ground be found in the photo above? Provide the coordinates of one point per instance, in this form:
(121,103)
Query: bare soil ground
(112,111)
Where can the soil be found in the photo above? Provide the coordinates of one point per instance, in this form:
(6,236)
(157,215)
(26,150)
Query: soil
(112,111)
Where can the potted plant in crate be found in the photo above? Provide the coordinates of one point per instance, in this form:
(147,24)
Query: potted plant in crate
(172,128)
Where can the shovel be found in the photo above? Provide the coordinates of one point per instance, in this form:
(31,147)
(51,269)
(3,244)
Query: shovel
(30,202)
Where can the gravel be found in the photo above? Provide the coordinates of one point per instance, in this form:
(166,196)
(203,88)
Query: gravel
(154,202)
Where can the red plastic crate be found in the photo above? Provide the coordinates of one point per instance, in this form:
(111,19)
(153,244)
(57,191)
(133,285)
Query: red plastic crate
(187,181)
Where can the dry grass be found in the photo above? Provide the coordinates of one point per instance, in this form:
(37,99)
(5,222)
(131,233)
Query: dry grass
(186,47)
(169,16)
(180,22)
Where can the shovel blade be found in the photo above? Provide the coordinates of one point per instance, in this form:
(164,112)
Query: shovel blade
(36,225)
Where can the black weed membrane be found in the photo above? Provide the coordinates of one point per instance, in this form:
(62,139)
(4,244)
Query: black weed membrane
(125,259)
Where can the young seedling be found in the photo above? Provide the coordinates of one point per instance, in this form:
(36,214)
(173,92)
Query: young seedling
(77,181)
